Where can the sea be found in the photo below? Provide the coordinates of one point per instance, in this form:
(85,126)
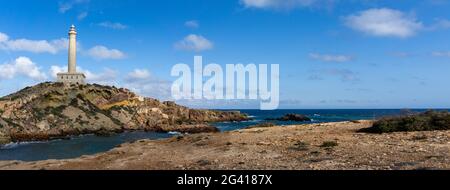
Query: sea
(90,144)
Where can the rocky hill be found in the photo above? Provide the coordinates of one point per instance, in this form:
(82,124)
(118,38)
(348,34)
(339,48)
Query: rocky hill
(55,110)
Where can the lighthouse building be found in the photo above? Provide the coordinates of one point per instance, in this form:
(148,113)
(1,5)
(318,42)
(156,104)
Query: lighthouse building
(72,77)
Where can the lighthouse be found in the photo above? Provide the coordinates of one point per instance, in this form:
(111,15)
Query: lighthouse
(72,77)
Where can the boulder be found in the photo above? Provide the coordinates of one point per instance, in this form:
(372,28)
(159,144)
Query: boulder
(4,139)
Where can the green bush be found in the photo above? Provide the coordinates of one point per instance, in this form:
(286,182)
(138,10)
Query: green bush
(427,121)
(58,110)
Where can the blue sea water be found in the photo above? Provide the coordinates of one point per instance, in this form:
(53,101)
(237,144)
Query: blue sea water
(317,116)
(72,148)
(90,144)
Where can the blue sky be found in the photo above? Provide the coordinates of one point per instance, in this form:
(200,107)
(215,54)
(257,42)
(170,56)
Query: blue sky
(332,53)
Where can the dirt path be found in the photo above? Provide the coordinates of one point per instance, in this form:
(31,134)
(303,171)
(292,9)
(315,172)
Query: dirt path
(302,147)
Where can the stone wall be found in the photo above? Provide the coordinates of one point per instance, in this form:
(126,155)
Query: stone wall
(75,78)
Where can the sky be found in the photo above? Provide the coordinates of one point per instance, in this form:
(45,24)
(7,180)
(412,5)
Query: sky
(333,54)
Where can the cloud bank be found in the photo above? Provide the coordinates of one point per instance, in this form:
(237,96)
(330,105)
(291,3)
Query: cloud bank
(34,46)
(330,58)
(277,4)
(384,23)
(194,42)
(102,53)
(22,66)
(113,25)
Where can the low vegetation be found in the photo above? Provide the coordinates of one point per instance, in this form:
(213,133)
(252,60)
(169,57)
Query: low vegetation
(262,125)
(427,121)
(329,144)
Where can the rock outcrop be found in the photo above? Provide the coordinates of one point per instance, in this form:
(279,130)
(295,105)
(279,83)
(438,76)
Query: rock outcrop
(292,117)
(56,110)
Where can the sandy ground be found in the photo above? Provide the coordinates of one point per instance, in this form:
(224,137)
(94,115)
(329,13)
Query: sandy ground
(291,147)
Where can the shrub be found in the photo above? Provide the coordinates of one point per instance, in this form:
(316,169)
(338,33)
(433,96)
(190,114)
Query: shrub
(427,121)
(262,125)
(419,138)
(58,110)
(329,144)
(39,114)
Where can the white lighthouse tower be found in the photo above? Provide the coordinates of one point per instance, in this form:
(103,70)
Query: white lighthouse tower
(72,77)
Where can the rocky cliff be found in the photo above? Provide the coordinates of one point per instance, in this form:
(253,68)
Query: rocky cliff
(55,110)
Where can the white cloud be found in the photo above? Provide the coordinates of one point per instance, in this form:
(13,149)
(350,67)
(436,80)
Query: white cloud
(106,77)
(82,15)
(444,23)
(143,83)
(22,66)
(3,37)
(102,52)
(69,4)
(194,42)
(278,4)
(330,58)
(441,54)
(139,81)
(54,70)
(221,104)
(41,46)
(401,54)
(34,46)
(192,24)
(138,74)
(63,44)
(113,25)
(384,22)
(344,75)
(440,24)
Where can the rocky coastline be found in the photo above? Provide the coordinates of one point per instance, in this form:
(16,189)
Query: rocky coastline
(54,110)
(326,146)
